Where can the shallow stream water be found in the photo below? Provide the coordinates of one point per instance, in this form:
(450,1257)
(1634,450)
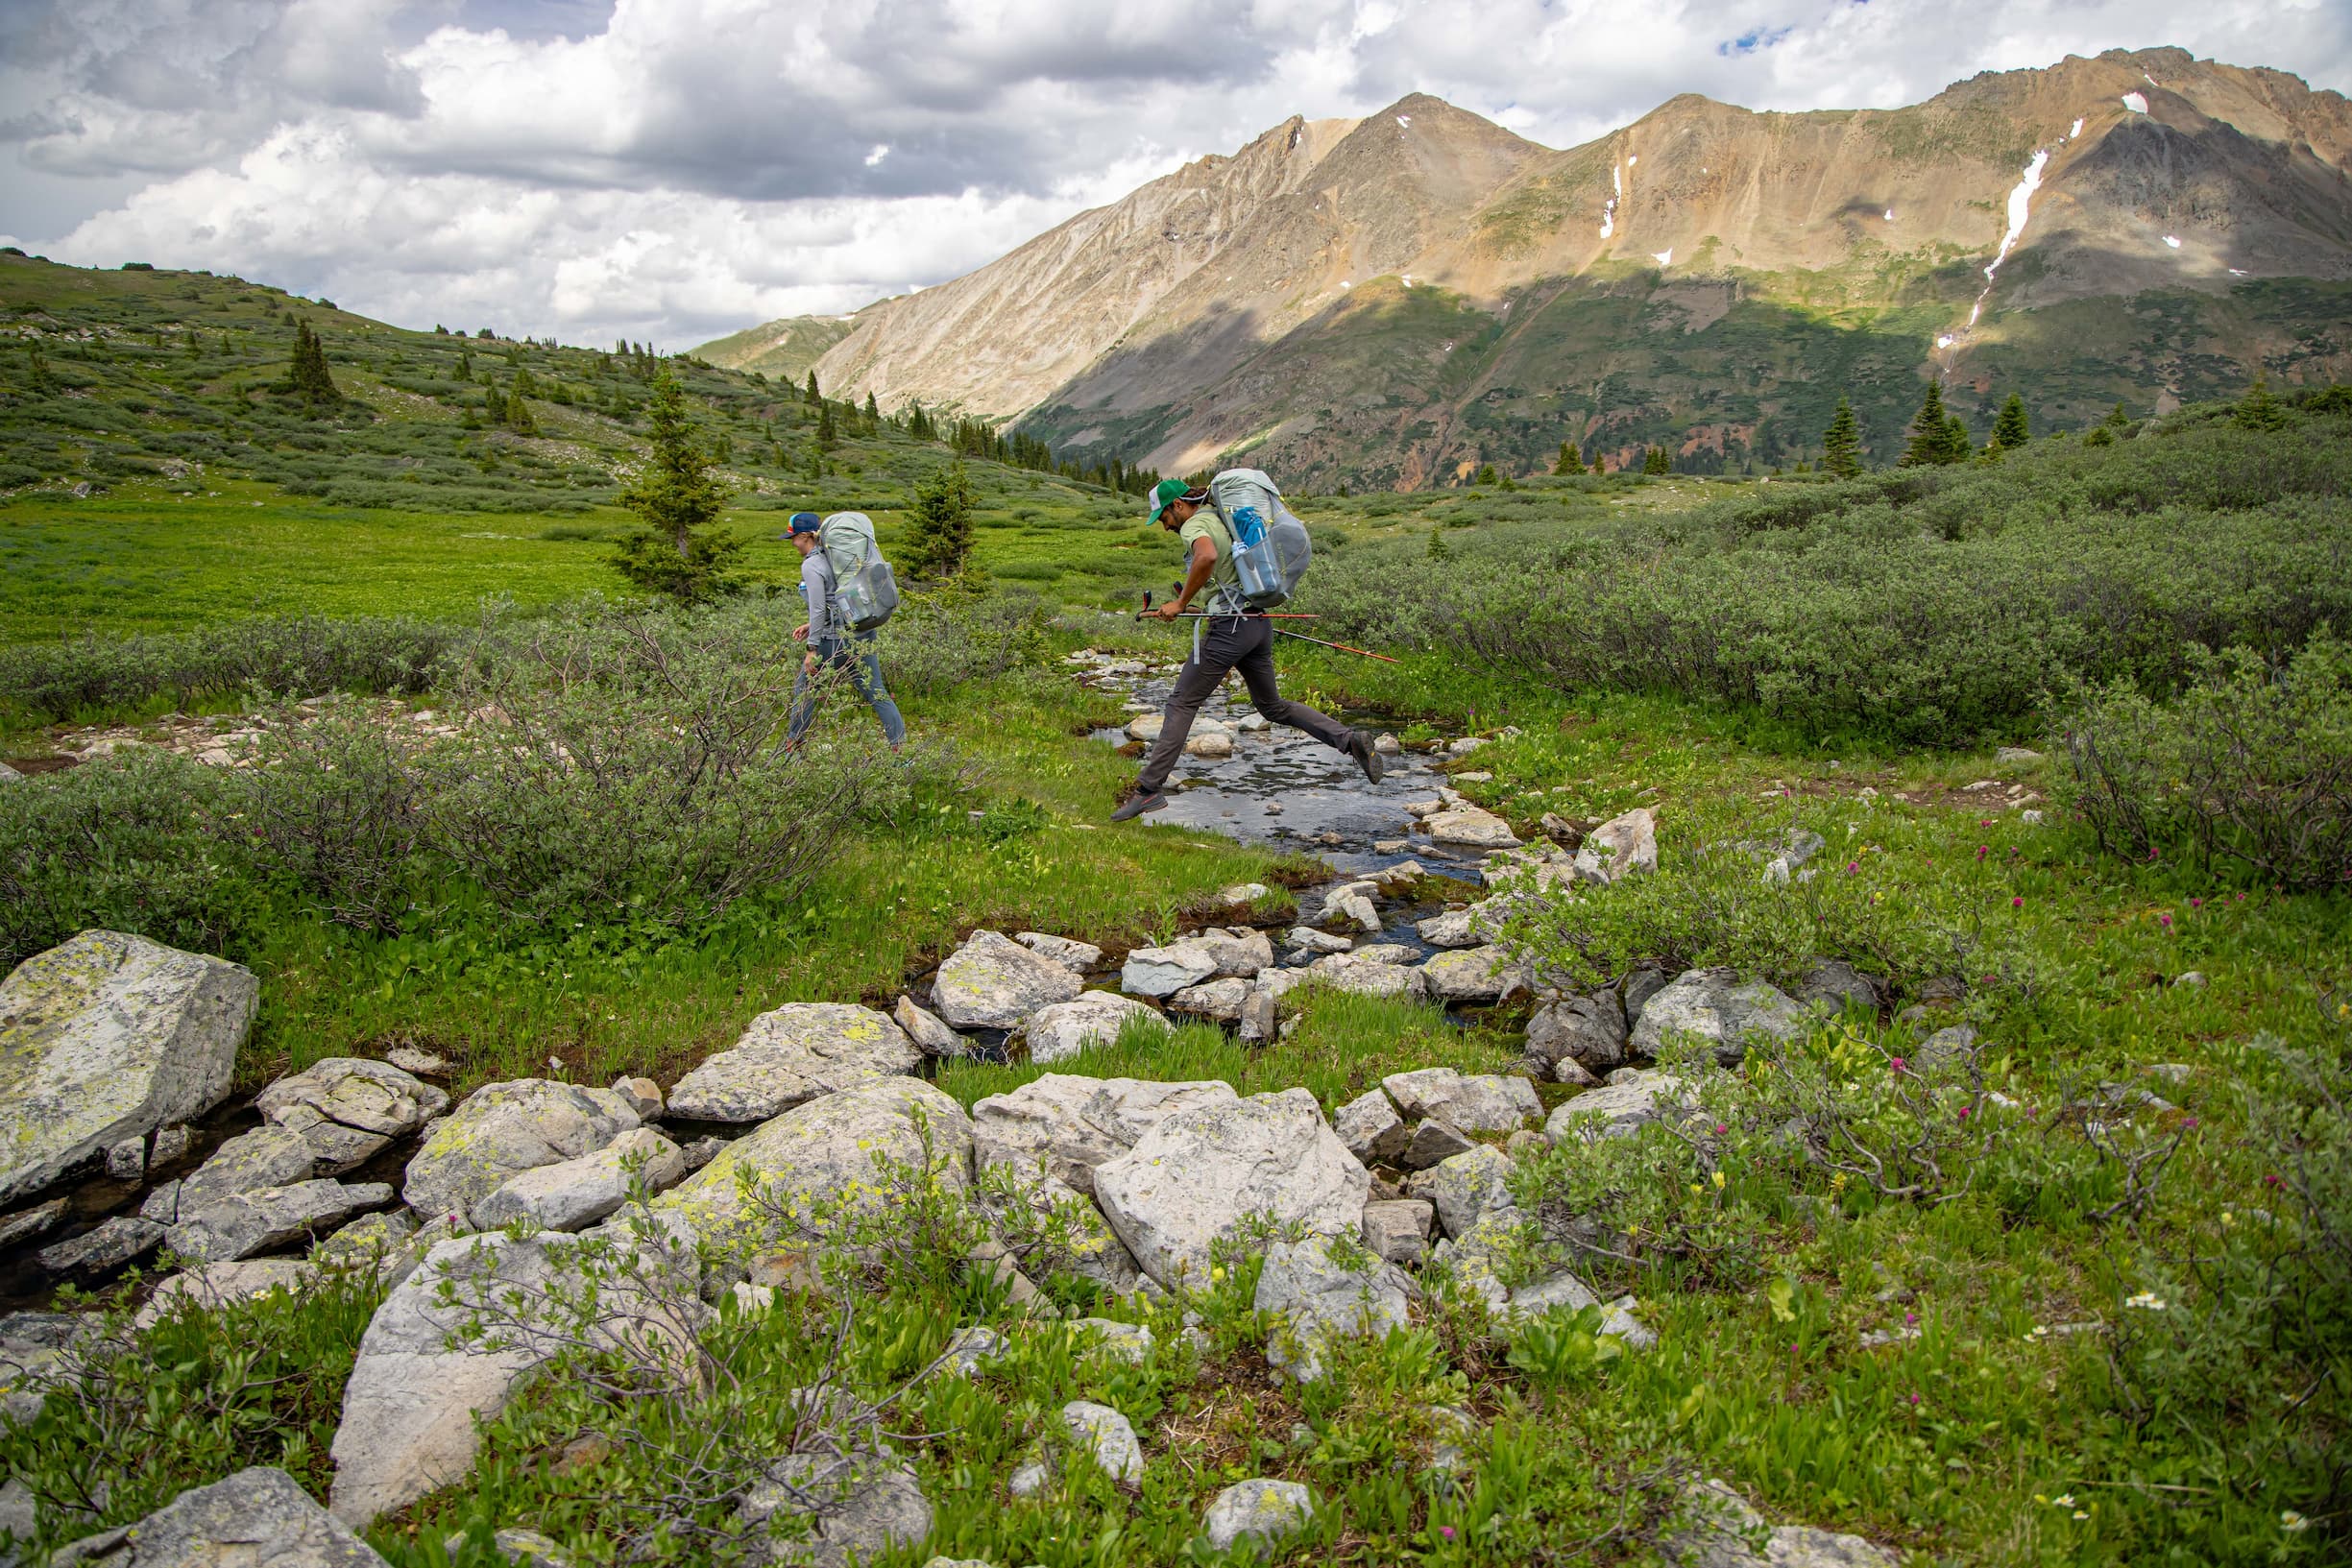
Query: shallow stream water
(1284,789)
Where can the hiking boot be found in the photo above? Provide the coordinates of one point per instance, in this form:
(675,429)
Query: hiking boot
(1360,747)
(1138,805)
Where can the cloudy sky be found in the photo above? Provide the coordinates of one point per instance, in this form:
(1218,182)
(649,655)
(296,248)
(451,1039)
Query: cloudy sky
(673,169)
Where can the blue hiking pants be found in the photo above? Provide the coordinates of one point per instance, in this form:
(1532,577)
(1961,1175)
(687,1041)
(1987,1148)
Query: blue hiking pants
(864,672)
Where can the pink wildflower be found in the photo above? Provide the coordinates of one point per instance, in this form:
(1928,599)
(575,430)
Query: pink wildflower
(2017,904)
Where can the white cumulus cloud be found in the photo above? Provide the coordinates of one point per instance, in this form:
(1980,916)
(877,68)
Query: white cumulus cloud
(675,168)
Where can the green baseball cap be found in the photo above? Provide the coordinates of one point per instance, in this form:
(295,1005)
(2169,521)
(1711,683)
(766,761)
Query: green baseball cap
(1163,494)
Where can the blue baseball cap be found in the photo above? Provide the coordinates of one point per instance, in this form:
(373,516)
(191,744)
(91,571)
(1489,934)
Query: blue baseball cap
(805,523)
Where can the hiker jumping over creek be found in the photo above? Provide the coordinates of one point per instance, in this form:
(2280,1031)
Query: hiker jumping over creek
(1244,548)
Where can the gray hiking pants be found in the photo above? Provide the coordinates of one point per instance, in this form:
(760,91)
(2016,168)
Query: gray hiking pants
(1230,642)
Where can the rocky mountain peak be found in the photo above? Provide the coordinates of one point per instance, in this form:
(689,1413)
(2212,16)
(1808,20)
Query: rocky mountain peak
(1407,294)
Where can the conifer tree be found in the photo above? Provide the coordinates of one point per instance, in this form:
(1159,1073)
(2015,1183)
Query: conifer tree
(1485,474)
(941,545)
(1595,459)
(873,416)
(1931,438)
(2258,409)
(1841,444)
(1957,443)
(827,437)
(308,377)
(810,395)
(1658,460)
(1568,462)
(2012,429)
(2118,419)
(676,550)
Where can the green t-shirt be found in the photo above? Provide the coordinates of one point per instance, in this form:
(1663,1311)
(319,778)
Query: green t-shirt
(1206,524)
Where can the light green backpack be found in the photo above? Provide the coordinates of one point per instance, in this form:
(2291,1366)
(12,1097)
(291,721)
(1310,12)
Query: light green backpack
(866,590)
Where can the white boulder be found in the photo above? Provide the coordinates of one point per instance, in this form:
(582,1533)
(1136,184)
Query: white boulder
(410,1405)
(254,1222)
(993,982)
(1350,973)
(1220,1000)
(1107,1438)
(1714,1006)
(259,1516)
(1474,974)
(1196,1176)
(1471,827)
(1315,1298)
(1464,1187)
(573,1195)
(1629,1100)
(503,1128)
(866,1504)
(929,1036)
(1619,847)
(1370,1127)
(1067,951)
(1064,1125)
(821,1160)
(350,1108)
(792,1055)
(1062,1029)
(1163,971)
(1472,1102)
(109,1037)
(1259,1511)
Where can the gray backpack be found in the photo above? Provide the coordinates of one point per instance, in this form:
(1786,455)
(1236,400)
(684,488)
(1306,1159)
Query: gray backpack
(1270,548)
(866,590)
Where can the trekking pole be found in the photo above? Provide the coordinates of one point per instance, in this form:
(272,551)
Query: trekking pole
(1341,646)
(1279,631)
(1204,614)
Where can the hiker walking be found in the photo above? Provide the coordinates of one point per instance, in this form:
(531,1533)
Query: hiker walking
(833,638)
(1235,633)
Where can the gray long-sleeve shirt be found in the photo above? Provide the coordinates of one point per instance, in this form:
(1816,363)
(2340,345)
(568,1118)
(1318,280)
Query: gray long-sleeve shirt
(818,587)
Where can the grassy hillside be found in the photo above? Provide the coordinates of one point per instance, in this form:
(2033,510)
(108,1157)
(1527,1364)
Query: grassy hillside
(155,477)
(783,350)
(152,474)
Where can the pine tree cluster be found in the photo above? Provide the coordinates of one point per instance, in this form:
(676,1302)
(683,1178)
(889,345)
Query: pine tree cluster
(308,377)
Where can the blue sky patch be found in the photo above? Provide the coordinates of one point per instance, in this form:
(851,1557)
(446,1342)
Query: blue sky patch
(1752,40)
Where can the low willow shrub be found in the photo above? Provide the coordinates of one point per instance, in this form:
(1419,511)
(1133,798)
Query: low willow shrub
(2251,770)
(1880,901)
(137,842)
(1912,608)
(47,682)
(607,769)
(936,644)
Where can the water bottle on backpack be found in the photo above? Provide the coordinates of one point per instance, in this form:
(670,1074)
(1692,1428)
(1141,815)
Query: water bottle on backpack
(865,588)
